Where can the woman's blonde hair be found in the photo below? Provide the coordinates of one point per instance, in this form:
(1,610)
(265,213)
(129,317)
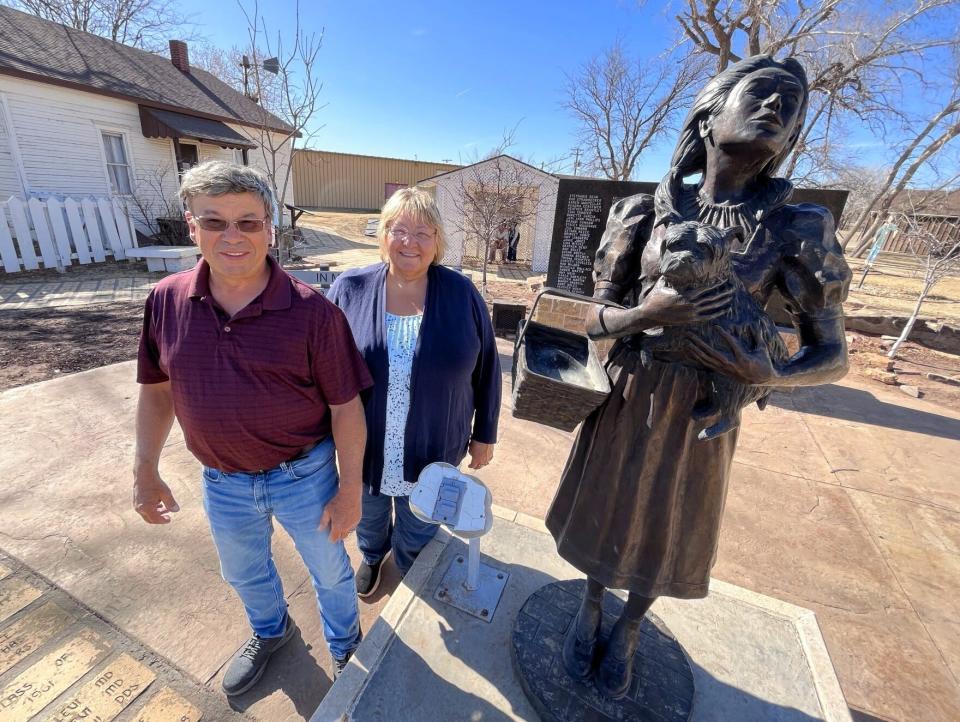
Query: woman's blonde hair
(419,205)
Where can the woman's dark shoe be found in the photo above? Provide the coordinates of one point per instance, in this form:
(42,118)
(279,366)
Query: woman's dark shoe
(613,676)
(578,654)
(368,578)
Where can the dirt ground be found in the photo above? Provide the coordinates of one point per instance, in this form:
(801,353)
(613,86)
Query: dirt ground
(348,225)
(892,287)
(40,344)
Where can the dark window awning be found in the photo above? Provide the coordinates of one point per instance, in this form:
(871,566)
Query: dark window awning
(157,123)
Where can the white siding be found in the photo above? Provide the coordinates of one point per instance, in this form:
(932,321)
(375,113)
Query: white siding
(9,179)
(58,133)
(539,228)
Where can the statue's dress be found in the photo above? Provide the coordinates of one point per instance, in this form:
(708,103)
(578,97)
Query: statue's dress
(641,498)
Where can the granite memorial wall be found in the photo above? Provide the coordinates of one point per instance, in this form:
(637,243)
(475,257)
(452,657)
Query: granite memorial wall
(582,209)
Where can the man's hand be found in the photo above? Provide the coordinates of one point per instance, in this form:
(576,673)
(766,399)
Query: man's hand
(480,454)
(342,514)
(152,498)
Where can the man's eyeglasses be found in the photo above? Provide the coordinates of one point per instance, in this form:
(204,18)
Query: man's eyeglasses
(218,225)
(402,234)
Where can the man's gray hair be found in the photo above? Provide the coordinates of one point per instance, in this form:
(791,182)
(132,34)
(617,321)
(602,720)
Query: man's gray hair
(217,178)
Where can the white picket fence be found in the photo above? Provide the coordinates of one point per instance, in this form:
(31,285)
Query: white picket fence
(56,232)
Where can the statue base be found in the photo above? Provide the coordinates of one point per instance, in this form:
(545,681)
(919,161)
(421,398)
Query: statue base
(753,657)
(662,686)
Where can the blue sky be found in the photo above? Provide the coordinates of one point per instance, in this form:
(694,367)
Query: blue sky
(442,80)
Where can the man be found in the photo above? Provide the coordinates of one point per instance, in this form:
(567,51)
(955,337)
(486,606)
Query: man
(499,243)
(264,377)
(513,240)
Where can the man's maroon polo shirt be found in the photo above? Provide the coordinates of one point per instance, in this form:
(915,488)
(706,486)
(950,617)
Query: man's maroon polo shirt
(253,390)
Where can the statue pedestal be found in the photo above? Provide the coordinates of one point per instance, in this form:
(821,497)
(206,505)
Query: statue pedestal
(662,687)
(752,657)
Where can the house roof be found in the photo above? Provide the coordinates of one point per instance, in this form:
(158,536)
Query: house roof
(48,52)
(928,202)
(488,160)
(167,124)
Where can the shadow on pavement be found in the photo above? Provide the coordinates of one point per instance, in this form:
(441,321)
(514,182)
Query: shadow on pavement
(843,402)
(861,716)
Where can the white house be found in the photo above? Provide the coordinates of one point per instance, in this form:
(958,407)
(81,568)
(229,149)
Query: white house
(84,116)
(501,175)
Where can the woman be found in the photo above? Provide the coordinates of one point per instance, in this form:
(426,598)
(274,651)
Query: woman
(641,498)
(426,336)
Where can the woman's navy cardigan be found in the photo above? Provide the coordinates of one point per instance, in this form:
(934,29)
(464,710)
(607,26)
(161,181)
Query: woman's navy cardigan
(455,380)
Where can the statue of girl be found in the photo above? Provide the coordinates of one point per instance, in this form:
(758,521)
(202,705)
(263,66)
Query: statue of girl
(641,497)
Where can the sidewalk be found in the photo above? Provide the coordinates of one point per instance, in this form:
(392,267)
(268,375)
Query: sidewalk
(842,500)
(125,282)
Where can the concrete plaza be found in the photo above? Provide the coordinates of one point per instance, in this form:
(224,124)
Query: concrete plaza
(843,500)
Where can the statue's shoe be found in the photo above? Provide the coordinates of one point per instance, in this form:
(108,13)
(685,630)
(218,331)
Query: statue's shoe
(578,655)
(613,676)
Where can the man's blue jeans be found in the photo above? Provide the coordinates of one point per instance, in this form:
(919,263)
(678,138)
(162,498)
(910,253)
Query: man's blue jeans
(377,533)
(241,507)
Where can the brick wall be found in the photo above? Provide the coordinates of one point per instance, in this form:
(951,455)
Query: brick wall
(569,315)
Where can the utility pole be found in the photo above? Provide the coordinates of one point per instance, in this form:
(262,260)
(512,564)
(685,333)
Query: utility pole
(576,160)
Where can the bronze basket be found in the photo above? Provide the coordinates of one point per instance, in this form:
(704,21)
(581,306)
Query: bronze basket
(558,378)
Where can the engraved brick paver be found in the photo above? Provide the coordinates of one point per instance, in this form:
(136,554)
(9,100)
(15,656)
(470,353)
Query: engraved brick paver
(61,663)
(167,705)
(15,594)
(41,683)
(31,632)
(114,689)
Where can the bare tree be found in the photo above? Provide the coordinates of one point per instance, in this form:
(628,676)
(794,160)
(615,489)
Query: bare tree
(937,248)
(624,106)
(146,24)
(863,182)
(155,205)
(858,60)
(932,139)
(496,192)
(292,93)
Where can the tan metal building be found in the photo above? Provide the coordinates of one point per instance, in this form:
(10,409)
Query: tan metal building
(345,181)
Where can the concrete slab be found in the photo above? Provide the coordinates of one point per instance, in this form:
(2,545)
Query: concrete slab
(64,509)
(885,442)
(754,658)
(777,439)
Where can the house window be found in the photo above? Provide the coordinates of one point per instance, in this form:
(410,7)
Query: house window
(188,155)
(118,167)
(239,156)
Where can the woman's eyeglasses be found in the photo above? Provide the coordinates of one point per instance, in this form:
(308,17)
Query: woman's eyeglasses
(218,225)
(402,234)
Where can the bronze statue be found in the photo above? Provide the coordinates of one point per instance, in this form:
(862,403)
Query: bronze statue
(640,500)
(694,256)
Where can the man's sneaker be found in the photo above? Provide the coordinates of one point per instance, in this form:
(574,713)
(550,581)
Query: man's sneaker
(249,664)
(341,664)
(368,578)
